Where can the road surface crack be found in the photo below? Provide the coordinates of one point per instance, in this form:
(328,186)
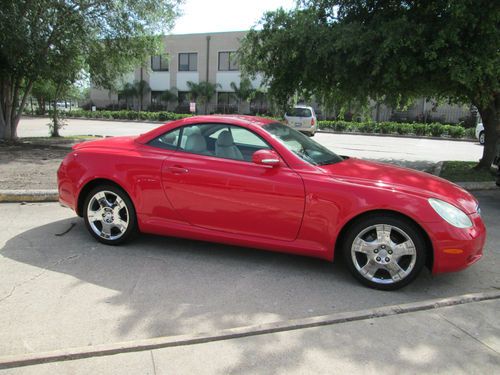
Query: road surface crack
(74,256)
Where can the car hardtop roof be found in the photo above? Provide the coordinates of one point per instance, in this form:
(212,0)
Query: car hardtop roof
(223,119)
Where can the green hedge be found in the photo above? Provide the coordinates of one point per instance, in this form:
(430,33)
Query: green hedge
(127,115)
(423,130)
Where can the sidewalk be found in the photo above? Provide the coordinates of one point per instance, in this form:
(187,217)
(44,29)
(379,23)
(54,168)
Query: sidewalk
(460,339)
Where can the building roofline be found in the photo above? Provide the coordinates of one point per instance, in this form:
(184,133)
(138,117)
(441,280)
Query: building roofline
(210,33)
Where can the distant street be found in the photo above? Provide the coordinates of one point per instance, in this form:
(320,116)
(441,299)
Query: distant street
(369,147)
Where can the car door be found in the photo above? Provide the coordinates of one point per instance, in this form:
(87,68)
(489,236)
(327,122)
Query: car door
(229,195)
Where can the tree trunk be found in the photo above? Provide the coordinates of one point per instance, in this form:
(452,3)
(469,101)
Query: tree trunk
(54,130)
(490,115)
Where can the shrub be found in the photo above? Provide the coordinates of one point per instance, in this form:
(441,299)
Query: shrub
(436,129)
(390,127)
(456,131)
(420,129)
(127,115)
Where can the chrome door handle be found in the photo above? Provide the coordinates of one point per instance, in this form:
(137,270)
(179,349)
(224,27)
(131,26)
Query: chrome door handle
(178,170)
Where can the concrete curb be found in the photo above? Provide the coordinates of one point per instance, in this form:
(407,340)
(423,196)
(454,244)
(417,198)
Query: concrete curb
(472,186)
(12,196)
(232,333)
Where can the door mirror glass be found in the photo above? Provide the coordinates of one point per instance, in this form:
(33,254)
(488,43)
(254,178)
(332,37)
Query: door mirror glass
(266,157)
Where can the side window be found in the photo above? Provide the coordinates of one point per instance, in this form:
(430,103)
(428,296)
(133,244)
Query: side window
(219,140)
(167,141)
(245,137)
(234,142)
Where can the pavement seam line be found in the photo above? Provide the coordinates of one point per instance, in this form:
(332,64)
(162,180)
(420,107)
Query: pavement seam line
(153,362)
(468,334)
(239,332)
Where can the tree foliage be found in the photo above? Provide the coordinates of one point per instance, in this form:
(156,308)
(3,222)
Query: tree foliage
(59,39)
(202,92)
(169,96)
(243,92)
(386,50)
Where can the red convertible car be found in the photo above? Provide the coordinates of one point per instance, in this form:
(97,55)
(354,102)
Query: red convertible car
(254,182)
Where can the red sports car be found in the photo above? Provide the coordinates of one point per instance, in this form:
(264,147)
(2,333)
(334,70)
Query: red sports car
(254,182)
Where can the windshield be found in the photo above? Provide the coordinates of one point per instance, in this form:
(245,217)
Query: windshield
(301,145)
(299,112)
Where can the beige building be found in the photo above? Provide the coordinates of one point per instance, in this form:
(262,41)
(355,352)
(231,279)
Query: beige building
(189,58)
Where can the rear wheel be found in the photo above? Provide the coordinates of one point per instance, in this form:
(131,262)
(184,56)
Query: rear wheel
(109,215)
(384,252)
(481,138)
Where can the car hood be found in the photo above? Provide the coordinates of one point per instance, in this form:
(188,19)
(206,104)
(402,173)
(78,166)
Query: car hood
(110,142)
(402,179)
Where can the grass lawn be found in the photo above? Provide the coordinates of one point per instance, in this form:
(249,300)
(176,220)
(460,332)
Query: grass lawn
(461,171)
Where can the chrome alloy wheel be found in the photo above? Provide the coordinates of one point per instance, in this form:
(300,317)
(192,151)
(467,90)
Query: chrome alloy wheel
(108,215)
(383,254)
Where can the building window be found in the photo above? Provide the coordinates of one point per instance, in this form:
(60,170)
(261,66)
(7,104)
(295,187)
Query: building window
(188,62)
(159,63)
(228,61)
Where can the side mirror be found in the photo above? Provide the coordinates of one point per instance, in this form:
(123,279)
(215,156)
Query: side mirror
(266,157)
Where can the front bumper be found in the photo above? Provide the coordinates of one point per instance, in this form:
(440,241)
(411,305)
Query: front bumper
(455,248)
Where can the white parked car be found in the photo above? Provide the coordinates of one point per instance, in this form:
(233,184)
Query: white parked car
(480,132)
(303,119)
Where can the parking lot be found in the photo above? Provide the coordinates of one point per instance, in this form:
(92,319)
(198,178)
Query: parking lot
(411,150)
(59,288)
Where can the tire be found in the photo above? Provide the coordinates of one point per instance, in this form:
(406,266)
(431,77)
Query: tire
(110,215)
(481,138)
(384,252)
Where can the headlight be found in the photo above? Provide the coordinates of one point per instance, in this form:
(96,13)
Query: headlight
(450,213)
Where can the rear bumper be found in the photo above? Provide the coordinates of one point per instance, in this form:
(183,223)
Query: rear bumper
(456,249)
(65,188)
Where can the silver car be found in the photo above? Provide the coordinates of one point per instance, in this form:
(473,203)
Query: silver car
(303,119)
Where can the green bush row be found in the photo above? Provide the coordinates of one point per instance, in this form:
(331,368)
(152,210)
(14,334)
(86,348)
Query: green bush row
(127,115)
(432,130)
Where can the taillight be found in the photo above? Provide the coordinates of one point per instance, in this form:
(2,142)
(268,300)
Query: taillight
(312,121)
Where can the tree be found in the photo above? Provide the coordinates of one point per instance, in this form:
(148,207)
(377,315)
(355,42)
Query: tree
(203,91)
(355,50)
(56,40)
(141,88)
(243,92)
(169,96)
(128,91)
(44,92)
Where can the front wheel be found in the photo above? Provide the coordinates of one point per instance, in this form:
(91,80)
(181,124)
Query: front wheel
(109,215)
(384,252)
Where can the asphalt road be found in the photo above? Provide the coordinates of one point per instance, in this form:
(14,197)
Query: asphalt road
(59,288)
(393,149)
